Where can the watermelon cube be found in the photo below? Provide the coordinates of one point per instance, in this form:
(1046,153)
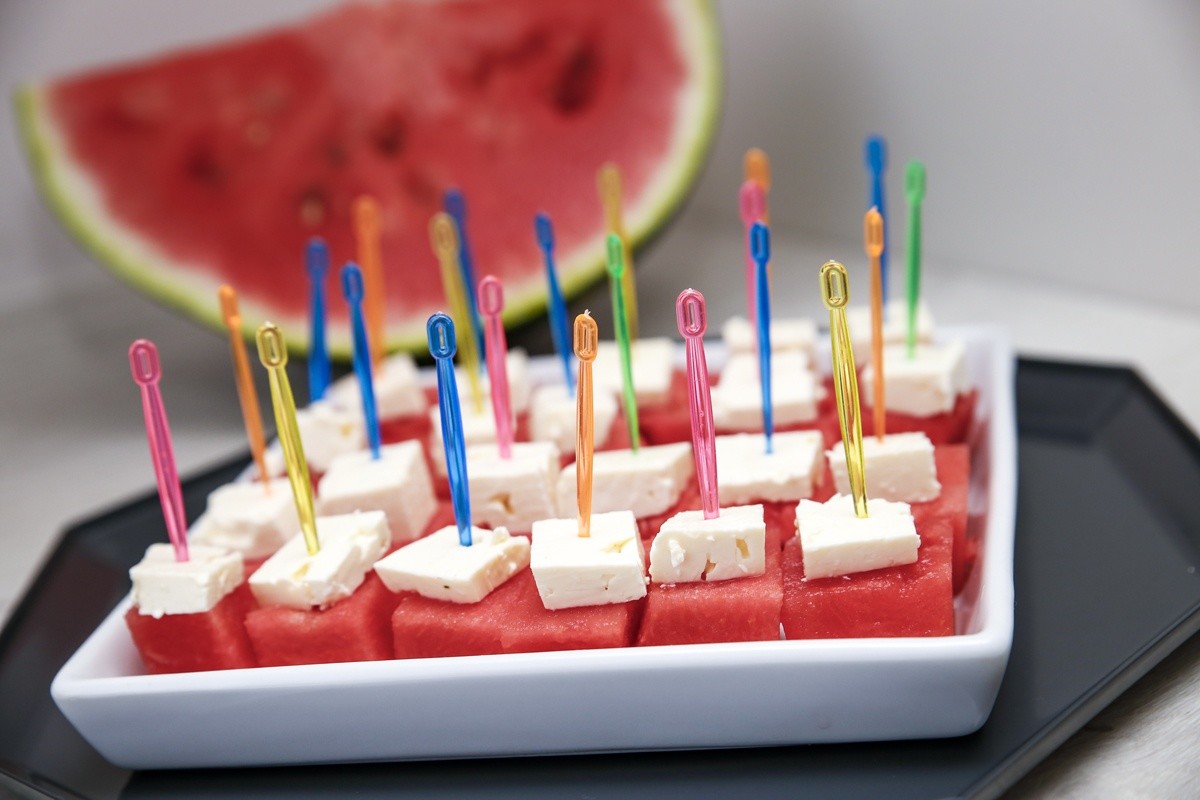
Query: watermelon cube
(427,628)
(214,639)
(953,463)
(402,429)
(951,427)
(356,628)
(909,600)
(531,628)
(671,421)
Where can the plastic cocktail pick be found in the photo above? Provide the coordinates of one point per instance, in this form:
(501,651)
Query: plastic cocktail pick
(272,352)
(914,191)
(587,340)
(692,319)
(752,205)
(143,361)
(608,180)
(456,206)
(445,245)
(873,243)
(366,232)
(557,306)
(352,290)
(616,270)
(760,243)
(247,394)
(442,346)
(316,261)
(757,167)
(491,303)
(875,153)
(835,291)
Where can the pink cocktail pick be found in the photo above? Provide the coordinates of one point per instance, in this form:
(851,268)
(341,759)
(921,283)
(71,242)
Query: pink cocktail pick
(752,203)
(691,316)
(491,303)
(143,361)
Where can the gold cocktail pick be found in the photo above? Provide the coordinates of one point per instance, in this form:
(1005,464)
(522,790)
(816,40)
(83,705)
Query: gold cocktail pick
(835,291)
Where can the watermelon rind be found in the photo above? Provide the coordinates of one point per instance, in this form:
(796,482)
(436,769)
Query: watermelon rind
(76,201)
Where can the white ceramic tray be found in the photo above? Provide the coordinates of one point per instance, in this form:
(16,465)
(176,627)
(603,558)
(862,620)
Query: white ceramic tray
(694,696)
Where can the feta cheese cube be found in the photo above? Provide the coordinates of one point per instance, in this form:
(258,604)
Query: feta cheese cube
(737,398)
(350,544)
(647,482)
(398,484)
(162,585)
(479,427)
(895,326)
(929,383)
(440,568)
(689,547)
(552,416)
(515,492)
(746,473)
(326,432)
(249,518)
(608,566)
(397,385)
(786,334)
(520,384)
(836,542)
(653,367)
(900,467)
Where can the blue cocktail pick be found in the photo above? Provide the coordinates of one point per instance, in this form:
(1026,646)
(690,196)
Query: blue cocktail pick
(352,289)
(456,206)
(316,261)
(875,152)
(557,305)
(760,250)
(442,346)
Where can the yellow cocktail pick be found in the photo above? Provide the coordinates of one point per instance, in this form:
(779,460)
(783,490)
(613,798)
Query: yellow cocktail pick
(247,394)
(608,181)
(835,291)
(873,243)
(444,238)
(273,353)
(370,259)
(587,338)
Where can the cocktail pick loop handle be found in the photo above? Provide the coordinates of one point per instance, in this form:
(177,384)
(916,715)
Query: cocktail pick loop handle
(143,362)
(366,228)
(442,346)
(444,237)
(272,352)
(616,271)
(873,244)
(491,304)
(247,394)
(914,190)
(316,262)
(692,319)
(587,342)
(752,205)
(557,305)
(835,291)
(875,155)
(455,204)
(609,184)
(760,245)
(352,290)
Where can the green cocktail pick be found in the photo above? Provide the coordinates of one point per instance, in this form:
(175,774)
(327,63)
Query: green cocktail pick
(914,190)
(616,273)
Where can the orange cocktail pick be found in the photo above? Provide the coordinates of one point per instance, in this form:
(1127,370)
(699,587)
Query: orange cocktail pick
(587,338)
(370,259)
(608,181)
(757,168)
(873,242)
(247,393)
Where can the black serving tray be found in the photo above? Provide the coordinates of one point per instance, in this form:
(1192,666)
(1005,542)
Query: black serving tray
(1108,538)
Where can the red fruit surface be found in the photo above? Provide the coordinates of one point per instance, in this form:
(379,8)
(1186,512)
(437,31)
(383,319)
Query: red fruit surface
(215,639)
(953,463)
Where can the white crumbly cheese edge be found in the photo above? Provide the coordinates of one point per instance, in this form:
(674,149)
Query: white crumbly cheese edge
(737,397)
(647,482)
(652,365)
(746,473)
(350,545)
(786,334)
(607,566)
(690,548)
(251,518)
(398,484)
(479,427)
(326,432)
(927,384)
(895,326)
(162,585)
(901,468)
(836,542)
(515,492)
(520,383)
(441,568)
(397,385)
(552,416)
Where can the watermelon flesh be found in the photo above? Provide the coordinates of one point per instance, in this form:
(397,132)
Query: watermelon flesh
(951,427)
(215,639)
(953,464)
(217,164)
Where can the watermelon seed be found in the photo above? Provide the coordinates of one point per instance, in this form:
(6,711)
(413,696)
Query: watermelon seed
(389,136)
(576,83)
(201,166)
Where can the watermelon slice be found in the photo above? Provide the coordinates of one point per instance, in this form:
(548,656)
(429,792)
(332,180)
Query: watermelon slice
(216,164)
(215,639)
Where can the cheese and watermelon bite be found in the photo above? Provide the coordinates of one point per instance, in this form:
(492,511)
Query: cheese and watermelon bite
(660,388)
(397,483)
(929,392)
(400,399)
(187,616)
(216,164)
(512,492)
(799,334)
(250,518)
(324,607)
